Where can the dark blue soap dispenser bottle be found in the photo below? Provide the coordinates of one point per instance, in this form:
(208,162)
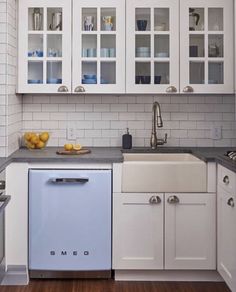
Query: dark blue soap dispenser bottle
(127,140)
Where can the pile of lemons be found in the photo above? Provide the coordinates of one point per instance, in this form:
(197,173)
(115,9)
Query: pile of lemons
(71,147)
(36,141)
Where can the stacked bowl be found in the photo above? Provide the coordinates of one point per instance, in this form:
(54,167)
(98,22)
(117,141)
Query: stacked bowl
(142,52)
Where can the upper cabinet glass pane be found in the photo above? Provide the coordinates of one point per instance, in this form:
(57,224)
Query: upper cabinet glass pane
(161,46)
(196,47)
(215,19)
(142,19)
(54,45)
(35,45)
(143,46)
(161,19)
(196,19)
(35,18)
(215,45)
(108,19)
(89,19)
(54,19)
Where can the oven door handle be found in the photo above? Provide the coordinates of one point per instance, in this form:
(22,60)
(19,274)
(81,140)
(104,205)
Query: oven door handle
(4,200)
(80,180)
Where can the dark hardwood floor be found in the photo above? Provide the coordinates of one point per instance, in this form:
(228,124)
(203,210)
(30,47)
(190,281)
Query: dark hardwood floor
(113,286)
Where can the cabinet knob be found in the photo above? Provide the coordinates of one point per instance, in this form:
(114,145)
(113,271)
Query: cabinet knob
(226,179)
(171,89)
(155,200)
(188,89)
(230,202)
(63,88)
(79,89)
(173,200)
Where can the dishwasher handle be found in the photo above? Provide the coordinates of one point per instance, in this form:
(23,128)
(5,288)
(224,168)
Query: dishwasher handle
(65,180)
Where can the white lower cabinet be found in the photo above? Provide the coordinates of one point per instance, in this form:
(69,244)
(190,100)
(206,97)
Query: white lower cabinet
(164,231)
(226,209)
(190,231)
(138,231)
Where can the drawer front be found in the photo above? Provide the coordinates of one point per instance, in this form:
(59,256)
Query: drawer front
(226,179)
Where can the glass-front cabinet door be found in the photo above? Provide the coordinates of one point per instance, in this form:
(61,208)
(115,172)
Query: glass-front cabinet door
(98,46)
(44,61)
(206,46)
(152,46)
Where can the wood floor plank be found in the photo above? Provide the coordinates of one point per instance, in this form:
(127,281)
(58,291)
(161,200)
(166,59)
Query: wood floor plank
(113,286)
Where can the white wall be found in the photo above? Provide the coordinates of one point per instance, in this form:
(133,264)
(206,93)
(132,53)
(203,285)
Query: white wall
(10,103)
(101,120)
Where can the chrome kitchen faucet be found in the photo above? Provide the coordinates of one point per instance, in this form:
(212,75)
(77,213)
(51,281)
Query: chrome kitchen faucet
(156,122)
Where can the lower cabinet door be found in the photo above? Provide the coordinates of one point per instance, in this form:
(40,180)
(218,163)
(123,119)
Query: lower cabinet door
(190,231)
(226,207)
(138,231)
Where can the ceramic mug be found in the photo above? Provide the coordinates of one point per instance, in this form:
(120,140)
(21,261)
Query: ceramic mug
(88,23)
(142,24)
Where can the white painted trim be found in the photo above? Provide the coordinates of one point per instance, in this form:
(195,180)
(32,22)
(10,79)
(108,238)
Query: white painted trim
(211,177)
(188,276)
(117,177)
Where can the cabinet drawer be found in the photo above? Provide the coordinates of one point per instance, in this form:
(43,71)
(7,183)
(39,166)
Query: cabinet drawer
(226,179)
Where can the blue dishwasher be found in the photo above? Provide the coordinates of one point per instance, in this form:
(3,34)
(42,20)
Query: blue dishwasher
(69,221)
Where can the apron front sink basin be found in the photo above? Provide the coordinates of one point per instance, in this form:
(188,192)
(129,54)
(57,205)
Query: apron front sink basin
(163,172)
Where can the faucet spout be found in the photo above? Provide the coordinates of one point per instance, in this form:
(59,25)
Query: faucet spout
(156,122)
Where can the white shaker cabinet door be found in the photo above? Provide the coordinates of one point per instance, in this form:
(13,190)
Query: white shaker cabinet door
(206,46)
(226,207)
(44,46)
(137,231)
(190,231)
(98,46)
(152,46)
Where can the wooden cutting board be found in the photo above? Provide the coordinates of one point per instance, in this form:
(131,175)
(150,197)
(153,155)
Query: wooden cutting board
(73,152)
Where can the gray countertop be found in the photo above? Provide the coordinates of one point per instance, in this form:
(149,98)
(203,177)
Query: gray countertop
(114,155)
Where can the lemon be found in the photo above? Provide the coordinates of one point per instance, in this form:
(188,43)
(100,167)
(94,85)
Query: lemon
(68,147)
(40,145)
(30,145)
(27,136)
(44,136)
(34,140)
(77,147)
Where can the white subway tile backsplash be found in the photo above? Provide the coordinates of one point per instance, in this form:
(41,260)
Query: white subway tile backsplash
(84,107)
(66,107)
(93,116)
(58,116)
(101,107)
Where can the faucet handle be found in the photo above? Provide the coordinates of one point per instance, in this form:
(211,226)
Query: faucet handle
(165,139)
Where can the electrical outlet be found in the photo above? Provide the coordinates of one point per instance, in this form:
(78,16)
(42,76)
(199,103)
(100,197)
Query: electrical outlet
(216,132)
(71,133)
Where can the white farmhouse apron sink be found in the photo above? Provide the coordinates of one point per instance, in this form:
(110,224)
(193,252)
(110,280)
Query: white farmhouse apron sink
(163,172)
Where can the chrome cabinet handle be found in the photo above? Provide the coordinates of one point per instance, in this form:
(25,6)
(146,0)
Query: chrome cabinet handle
(79,89)
(226,179)
(68,180)
(188,89)
(173,200)
(63,88)
(230,202)
(155,200)
(171,89)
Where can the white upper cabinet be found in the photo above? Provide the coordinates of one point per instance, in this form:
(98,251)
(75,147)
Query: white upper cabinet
(206,46)
(126,46)
(98,46)
(152,46)
(44,58)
